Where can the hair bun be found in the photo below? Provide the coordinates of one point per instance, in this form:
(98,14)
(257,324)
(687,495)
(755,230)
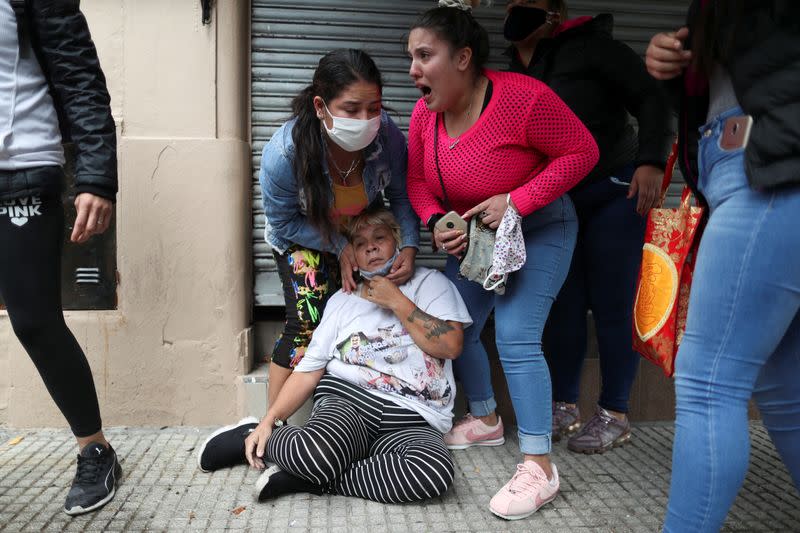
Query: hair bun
(463,5)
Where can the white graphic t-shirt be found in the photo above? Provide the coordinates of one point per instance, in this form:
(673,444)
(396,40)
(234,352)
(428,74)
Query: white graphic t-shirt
(368,346)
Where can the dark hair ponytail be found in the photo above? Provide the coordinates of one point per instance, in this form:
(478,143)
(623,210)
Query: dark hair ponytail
(460,29)
(336,71)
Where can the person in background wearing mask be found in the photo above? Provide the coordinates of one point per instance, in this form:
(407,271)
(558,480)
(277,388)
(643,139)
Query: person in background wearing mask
(601,80)
(53,89)
(333,159)
(380,369)
(735,69)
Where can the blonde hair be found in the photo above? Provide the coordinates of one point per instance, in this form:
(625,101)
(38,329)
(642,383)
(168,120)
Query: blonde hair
(374,217)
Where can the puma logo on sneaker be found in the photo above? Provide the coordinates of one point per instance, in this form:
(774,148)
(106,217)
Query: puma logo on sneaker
(95,481)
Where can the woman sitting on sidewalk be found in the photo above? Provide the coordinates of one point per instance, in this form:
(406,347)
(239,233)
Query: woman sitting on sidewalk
(385,400)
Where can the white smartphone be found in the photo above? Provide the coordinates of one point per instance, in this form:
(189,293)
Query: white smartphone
(451,221)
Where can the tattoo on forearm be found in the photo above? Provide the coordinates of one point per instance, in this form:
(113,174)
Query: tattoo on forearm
(434,326)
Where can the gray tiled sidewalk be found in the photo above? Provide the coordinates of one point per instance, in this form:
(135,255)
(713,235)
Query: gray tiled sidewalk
(162,490)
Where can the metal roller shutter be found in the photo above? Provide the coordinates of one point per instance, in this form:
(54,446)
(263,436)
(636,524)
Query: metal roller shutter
(289,36)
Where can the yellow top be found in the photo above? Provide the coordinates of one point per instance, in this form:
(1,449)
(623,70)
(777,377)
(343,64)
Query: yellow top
(348,201)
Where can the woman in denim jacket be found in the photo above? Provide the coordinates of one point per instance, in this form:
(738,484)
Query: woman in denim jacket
(331,161)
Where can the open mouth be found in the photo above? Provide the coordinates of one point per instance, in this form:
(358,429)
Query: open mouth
(425,90)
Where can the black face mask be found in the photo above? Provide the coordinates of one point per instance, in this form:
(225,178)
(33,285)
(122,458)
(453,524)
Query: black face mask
(522,21)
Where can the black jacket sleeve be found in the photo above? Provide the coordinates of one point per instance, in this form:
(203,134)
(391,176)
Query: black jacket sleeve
(69,60)
(644,97)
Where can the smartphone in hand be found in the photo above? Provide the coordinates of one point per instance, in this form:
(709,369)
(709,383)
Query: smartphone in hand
(451,221)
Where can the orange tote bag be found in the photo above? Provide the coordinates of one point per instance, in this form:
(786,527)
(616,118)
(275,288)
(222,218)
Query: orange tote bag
(665,276)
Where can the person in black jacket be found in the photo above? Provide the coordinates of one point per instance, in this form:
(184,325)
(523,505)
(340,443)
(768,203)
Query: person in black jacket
(736,71)
(603,81)
(52,89)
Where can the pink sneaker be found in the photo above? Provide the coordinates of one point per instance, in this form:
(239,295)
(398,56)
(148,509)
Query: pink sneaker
(527,491)
(471,431)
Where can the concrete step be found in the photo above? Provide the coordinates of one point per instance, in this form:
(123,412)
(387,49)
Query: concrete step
(253,393)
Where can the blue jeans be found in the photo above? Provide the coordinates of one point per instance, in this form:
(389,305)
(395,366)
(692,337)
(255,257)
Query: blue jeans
(520,315)
(742,339)
(602,278)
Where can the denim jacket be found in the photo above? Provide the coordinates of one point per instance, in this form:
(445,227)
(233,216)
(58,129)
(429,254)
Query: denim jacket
(385,161)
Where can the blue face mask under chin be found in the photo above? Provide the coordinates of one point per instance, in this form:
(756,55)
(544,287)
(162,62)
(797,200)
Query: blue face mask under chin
(382,271)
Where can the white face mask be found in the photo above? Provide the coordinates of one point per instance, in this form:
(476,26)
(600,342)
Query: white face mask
(352,134)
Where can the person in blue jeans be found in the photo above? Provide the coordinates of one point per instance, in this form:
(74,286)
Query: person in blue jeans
(510,149)
(742,336)
(603,81)
(520,316)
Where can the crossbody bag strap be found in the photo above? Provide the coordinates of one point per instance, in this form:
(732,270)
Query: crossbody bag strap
(669,168)
(436,160)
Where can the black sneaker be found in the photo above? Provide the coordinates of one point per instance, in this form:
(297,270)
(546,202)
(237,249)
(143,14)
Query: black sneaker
(275,482)
(225,447)
(95,481)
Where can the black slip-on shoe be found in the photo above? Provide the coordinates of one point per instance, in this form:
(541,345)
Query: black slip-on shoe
(274,482)
(225,447)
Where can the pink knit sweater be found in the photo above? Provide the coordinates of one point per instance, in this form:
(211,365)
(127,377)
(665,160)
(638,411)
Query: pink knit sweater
(526,142)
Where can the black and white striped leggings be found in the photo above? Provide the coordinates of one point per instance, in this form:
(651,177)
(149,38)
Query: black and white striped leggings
(356,444)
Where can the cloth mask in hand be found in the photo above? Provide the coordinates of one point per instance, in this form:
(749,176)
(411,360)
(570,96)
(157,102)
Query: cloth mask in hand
(509,250)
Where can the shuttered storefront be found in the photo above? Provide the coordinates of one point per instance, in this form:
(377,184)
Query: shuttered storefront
(289,36)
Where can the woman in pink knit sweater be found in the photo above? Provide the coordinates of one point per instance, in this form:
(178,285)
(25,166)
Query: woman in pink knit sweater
(504,141)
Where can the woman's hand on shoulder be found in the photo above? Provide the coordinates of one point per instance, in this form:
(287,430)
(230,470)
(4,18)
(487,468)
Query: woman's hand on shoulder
(348,265)
(666,57)
(403,267)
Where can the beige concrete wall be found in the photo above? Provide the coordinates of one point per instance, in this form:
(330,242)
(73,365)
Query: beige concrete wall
(173,350)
